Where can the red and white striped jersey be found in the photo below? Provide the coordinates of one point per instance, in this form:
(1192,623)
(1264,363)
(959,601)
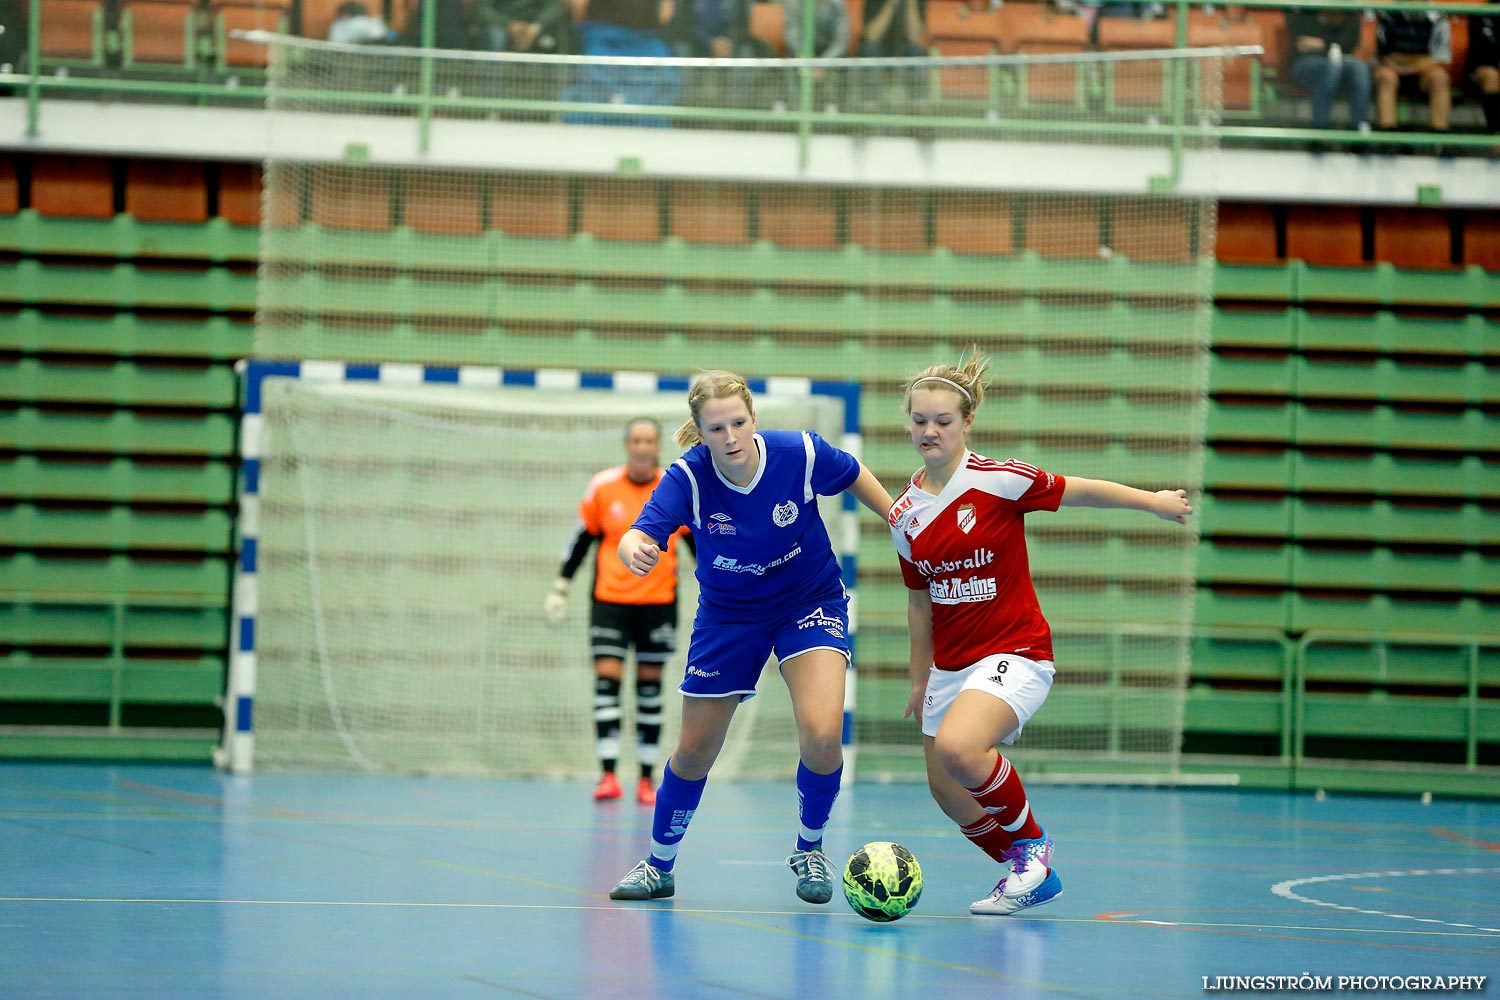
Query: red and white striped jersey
(966,547)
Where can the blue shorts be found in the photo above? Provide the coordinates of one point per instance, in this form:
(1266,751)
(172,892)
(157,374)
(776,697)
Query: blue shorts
(725,658)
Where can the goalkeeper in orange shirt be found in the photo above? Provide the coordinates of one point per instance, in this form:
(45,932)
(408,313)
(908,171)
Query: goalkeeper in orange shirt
(627,610)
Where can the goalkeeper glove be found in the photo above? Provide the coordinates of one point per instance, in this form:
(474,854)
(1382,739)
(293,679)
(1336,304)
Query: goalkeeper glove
(555,604)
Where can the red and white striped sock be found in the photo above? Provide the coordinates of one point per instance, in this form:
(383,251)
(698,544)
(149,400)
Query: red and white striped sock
(1004,798)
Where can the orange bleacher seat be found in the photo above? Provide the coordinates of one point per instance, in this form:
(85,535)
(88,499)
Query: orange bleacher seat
(1138,84)
(1325,235)
(166,191)
(72,187)
(1153,232)
(954,29)
(159,32)
(1246,233)
(888,220)
(621,210)
(284,205)
(1273,37)
(1482,238)
(318,16)
(974,223)
(357,198)
(799,217)
(1416,238)
(1063,227)
(963,81)
(1211,30)
(710,213)
(232,17)
(240,193)
(70,29)
(768,23)
(10,185)
(442,204)
(531,206)
(1038,29)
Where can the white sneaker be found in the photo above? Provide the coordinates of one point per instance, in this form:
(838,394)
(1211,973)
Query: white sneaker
(1028,881)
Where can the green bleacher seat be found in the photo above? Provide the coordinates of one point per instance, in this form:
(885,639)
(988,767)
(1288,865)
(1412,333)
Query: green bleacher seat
(1414,474)
(1387,379)
(121,383)
(125,335)
(120,432)
(1385,426)
(119,480)
(1266,327)
(1382,520)
(1388,333)
(1394,569)
(54,573)
(39,625)
(1266,421)
(29,525)
(1245,515)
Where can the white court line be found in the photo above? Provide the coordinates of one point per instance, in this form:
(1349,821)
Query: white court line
(1287,890)
(663,906)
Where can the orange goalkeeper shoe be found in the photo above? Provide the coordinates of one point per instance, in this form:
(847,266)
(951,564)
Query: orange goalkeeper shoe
(645,792)
(608,788)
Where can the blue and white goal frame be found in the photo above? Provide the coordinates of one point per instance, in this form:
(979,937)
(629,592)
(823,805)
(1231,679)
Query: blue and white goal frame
(238,749)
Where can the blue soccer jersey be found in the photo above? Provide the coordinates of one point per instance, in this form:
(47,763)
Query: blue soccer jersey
(762,546)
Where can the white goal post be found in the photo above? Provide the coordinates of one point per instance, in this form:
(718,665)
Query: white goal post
(399,525)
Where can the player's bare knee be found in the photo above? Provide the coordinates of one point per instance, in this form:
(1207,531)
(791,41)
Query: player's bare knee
(823,753)
(960,758)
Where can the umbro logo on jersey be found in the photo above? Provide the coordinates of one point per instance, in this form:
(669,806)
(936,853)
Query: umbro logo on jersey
(721,518)
(719,525)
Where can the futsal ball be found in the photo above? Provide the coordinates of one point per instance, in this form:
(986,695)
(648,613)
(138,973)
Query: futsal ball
(882,881)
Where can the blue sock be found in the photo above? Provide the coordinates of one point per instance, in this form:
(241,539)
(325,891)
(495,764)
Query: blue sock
(676,801)
(815,794)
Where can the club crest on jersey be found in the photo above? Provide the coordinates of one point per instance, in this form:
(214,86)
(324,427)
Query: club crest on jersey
(784,514)
(966,518)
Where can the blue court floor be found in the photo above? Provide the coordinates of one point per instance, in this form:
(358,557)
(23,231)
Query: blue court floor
(176,882)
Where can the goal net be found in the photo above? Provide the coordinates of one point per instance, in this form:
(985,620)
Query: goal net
(405,533)
(852,219)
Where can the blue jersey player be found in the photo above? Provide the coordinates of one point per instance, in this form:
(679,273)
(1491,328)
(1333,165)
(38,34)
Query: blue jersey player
(768,582)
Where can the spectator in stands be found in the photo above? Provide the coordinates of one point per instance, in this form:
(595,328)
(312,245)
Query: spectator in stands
(716,29)
(1413,44)
(544,26)
(623,28)
(830,40)
(1324,64)
(453,27)
(353,24)
(895,28)
(713,29)
(830,28)
(1484,57)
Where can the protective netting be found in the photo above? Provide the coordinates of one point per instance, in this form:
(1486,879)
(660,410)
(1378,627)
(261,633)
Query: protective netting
(849,219)
(407,536)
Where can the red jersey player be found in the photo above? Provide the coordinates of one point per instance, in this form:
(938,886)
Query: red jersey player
(981,651)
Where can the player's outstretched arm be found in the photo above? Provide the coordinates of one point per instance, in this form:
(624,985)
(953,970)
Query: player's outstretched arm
(638,552)
(868,491)
(1169,505)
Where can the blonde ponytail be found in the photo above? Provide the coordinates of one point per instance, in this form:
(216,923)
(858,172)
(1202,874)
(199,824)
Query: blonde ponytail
(711,385)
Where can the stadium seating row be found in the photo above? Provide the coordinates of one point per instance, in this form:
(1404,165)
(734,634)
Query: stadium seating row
(157,35)
(973,223)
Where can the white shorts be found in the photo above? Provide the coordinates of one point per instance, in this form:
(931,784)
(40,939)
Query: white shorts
(1021,683)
